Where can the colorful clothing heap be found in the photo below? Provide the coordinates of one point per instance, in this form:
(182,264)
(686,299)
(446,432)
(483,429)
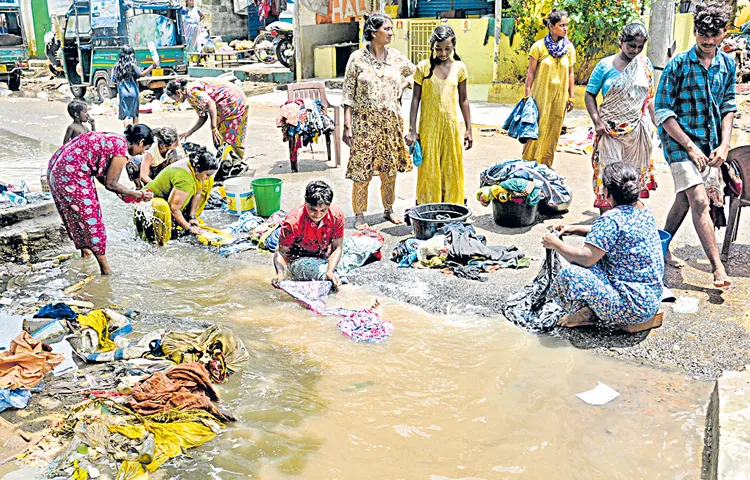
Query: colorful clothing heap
(553,190)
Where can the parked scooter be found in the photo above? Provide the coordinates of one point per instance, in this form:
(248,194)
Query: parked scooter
(283,41)
(52,52)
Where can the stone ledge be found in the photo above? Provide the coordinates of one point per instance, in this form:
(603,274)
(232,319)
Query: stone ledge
(10,216)
(733,428)
(29,240)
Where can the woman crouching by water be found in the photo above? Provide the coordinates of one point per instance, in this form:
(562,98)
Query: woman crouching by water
(180,194)
(615,280)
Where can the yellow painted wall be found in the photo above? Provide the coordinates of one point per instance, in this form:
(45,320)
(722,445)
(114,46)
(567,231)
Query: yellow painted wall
(683,31)
(743,12)
(469,45)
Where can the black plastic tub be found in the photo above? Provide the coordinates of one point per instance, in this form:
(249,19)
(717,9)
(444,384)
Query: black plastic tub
(512,214)
(546,208)
(429,218)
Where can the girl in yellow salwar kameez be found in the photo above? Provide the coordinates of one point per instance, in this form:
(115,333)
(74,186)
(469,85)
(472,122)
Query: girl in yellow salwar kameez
(181,192)
(439,84)
(550,83)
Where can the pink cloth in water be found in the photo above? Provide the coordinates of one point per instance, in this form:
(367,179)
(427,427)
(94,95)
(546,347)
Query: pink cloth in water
(360,325)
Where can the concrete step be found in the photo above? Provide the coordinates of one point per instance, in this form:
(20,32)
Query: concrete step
(32,239)
(270,75)
(9,216)
(728,429)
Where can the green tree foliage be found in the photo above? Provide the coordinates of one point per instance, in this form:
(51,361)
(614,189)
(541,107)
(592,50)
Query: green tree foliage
(594,26)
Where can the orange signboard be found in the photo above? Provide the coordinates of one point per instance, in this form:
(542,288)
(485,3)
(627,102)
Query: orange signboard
(344,11)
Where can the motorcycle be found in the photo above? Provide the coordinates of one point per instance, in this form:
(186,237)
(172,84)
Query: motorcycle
(283,41)
(53,54)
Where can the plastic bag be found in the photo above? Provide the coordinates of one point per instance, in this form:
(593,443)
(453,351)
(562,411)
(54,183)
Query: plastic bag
(416,153)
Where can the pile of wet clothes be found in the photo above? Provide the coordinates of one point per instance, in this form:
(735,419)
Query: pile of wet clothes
(532,307)
(523,181)
(304,119)
(146,397)
(252,232)
(458,250)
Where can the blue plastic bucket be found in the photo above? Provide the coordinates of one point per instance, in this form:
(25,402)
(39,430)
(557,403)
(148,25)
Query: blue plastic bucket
(665,238)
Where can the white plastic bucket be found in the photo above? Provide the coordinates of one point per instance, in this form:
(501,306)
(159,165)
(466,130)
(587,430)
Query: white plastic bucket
(239,195)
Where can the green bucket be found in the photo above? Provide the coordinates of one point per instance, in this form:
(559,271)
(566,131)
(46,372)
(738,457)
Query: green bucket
(267,193)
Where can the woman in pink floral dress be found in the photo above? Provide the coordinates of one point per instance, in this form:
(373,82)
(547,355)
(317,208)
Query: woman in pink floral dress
(223,103)
(71,174)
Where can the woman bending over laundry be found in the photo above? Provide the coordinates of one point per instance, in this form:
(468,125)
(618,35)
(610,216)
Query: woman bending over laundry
(180,194)
(615,279)
(71,173)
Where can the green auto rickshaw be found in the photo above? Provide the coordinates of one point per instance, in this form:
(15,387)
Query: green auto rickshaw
(14,53)
(95,31)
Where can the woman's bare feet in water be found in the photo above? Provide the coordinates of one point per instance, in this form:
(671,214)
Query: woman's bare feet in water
(721,279)
(392,217)
(673,261)
(581,318)
(359,222)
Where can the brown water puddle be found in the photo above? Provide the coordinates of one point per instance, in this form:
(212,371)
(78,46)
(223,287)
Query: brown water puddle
(445,398)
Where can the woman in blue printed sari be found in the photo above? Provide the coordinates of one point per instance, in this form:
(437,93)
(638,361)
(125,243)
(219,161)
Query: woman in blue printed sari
(615,279)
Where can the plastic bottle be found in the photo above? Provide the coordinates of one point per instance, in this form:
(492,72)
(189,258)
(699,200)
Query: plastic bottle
(148,448)
(17,200)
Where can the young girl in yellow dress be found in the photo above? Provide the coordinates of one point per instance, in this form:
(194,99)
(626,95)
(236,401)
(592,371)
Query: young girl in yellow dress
(439,84)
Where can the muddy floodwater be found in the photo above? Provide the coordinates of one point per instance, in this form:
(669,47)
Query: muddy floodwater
(446,397)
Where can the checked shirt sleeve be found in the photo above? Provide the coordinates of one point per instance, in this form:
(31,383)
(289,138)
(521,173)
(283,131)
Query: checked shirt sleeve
(666,94)
(728,103)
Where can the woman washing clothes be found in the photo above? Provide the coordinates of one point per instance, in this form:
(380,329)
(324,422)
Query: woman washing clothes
(180,194)
(615,279)
(624,121)
(144,168)
(222,103)
(71,173)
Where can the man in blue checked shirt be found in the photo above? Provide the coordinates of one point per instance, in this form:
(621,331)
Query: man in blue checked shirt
(695,108)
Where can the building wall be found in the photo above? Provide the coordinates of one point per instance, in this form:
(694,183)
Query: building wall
(324,34)
(222,21)
(469,45)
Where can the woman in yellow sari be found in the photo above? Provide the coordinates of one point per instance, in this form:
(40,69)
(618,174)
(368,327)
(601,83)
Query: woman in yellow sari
(180,194)
(550,83)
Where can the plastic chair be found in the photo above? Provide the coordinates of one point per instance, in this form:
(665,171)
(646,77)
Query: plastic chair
(741,157)
(317,91)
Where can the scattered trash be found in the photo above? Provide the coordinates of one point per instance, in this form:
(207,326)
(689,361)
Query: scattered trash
(686,304)
(42,95)
(12,326)
(599,395)
(68,365)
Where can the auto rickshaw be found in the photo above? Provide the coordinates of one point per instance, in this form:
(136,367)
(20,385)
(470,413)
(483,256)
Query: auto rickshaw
(93,37)
(14,52)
